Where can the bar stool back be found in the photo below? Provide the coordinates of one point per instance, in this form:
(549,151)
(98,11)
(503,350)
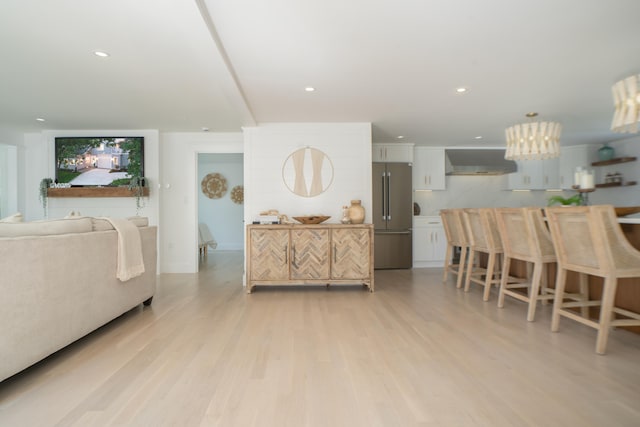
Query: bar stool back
(484,237)
(456,237)
(588,239)
(525,237)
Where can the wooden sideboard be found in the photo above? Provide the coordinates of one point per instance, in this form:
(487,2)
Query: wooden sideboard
(309,255)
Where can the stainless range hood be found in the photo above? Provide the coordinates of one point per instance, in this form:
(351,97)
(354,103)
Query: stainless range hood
(471,161)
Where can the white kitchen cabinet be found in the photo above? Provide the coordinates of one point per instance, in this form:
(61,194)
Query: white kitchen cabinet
(429,242)
(527,177)
(550,174)
(572,158)
(398,153)
(428,169)
(535,175)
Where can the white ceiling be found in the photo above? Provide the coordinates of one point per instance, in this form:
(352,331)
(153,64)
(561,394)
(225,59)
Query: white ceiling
(181,65)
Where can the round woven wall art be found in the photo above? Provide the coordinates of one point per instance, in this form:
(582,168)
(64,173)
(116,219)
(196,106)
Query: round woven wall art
(237,194)
(214,185)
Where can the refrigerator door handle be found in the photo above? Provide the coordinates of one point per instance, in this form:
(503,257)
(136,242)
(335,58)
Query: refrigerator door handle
(384,197)
(388,196)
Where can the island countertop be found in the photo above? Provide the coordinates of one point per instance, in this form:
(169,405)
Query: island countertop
(628,214)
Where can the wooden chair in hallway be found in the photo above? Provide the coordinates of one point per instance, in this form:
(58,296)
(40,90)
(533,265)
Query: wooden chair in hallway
(525,237)
(456,238)
(484,237)
(588,239)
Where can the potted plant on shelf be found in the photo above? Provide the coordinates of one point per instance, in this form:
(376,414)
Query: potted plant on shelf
(44,193)
(575,200)
(136,185)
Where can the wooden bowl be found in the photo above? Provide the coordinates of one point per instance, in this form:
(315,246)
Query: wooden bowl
(315,219)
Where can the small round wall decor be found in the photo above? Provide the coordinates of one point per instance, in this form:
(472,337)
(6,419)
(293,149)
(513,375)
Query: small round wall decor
(237,194)
(214,186)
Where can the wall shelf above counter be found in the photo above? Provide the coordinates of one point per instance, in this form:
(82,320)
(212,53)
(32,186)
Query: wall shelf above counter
(615,161)
(616,184)
(95,192)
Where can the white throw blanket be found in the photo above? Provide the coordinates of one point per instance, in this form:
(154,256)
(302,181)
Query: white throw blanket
(130,263)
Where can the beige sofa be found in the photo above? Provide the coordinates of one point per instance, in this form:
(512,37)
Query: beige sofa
(58,283)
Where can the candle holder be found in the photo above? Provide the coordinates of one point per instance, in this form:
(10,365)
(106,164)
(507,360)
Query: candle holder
(584,195)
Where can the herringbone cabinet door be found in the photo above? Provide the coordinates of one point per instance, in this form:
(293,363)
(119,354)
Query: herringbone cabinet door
(351,253)
(310,254)
(271,247)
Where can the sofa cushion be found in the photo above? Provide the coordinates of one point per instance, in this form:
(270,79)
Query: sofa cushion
(101,224)
(16,217)
(46,227)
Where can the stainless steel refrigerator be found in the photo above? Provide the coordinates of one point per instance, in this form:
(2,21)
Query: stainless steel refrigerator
(392,215)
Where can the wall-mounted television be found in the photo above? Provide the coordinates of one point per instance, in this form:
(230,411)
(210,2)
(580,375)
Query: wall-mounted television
(98,161)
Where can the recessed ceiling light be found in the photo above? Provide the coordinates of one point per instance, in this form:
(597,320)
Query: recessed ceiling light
(310,89)
(400,136)
(101,54)
(205,129)
(40,119)
(478,137)
(461,89)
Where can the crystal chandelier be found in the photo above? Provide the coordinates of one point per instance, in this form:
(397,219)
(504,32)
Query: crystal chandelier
(627,102)
(533,140)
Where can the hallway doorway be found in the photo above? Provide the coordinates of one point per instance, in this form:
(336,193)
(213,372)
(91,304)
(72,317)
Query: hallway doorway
(221,200)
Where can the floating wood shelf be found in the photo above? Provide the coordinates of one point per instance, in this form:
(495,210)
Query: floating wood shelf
(614,161)
(616,184)
(95,192)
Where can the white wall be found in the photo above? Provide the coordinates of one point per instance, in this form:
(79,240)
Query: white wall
(8,180)
(180,186)
(224,217)
(348,146)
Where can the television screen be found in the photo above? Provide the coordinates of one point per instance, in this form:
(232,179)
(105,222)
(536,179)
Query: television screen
(103,161)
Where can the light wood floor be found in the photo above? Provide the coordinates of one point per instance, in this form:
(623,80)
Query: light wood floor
(414,353)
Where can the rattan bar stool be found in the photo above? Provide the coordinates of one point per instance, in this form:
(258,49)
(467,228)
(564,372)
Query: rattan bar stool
(484,237)
(588,239)
(456,237)
(525,237)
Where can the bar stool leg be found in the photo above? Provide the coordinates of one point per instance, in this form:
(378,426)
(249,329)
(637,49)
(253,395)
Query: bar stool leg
(467,282)
(448,264)
(534,290)
(503,280)
(606,313)
(491,265)
(584,294)
(544,283)
(561,278)
(463,267)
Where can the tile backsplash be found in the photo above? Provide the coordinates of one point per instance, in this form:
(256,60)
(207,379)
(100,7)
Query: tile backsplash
(477,191)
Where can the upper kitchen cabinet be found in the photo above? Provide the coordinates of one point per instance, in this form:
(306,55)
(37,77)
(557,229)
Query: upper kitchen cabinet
(535,175)
(398,153)
(428,169)
(572,158)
